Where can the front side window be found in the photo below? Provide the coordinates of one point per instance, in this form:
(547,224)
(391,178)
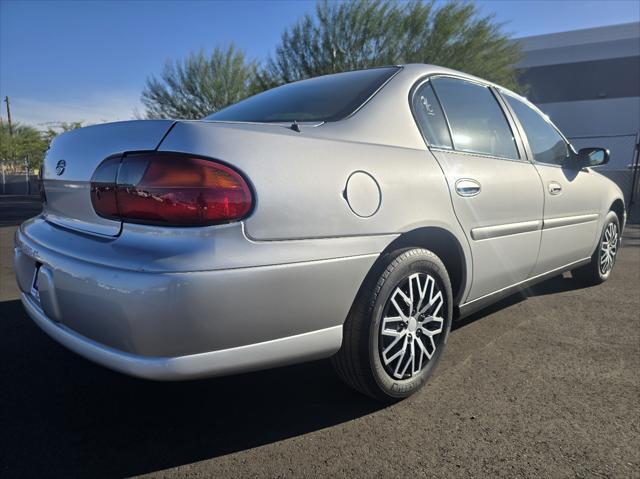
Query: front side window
(546,143)
(325,98)
(477,122)
(430,118)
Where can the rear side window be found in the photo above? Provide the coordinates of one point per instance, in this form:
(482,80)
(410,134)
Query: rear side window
(477,122)
(430,118)
(325,98)
(546,143)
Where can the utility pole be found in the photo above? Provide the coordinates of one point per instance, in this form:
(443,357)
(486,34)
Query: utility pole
(6,100)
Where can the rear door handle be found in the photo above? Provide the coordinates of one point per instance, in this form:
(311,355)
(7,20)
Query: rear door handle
(467,187)
(555,188)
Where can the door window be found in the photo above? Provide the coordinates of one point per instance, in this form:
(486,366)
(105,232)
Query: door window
(430,118)
(478,124)
(546,143)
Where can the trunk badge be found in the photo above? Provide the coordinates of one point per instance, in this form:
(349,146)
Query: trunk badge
(60,167)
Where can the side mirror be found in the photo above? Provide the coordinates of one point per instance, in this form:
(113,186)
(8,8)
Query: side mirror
(589,157)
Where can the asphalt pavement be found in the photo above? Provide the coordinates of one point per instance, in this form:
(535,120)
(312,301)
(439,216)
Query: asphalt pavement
(545,384)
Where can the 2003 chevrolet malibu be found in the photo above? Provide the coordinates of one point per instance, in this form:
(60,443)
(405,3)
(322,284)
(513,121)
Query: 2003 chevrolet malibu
(351,215)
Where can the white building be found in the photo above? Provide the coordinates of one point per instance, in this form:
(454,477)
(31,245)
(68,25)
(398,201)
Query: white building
(588,82)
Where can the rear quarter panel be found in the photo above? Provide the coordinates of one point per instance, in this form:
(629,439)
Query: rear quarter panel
(299,181)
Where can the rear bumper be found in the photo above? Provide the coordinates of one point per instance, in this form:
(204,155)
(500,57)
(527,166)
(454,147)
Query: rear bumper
(186,324)
(307,346)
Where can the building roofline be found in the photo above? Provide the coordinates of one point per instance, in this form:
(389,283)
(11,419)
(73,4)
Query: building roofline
(582,36)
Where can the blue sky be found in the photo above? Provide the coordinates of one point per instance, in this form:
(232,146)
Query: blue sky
(75,60)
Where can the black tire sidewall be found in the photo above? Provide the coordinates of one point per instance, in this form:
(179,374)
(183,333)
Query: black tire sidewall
(417,261)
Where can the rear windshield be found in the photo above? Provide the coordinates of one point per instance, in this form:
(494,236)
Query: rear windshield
(326,98)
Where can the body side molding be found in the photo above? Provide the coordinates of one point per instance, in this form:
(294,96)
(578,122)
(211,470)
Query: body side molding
(495,231)
(569,220)
(487,232)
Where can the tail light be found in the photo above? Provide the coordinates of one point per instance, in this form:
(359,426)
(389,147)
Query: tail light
(169,189)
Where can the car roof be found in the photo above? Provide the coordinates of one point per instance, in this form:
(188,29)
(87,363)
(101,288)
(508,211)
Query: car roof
(382,120)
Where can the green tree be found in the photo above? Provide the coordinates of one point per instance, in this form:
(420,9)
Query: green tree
(199,85)
(28,143)
(25,143)
(366,33)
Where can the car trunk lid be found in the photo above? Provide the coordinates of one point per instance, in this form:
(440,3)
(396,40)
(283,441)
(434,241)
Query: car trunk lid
(73,158)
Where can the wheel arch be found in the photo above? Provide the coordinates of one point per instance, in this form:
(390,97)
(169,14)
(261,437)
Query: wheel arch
(441,242)
(618,208)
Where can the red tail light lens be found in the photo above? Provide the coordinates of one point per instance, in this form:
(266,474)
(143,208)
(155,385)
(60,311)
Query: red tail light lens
(172,190)
(103,188)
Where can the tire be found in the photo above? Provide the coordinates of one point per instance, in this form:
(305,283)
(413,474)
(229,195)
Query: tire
(604,257)
(364,361)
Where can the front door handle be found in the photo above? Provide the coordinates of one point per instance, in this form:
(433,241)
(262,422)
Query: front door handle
(467,187)
(555,188)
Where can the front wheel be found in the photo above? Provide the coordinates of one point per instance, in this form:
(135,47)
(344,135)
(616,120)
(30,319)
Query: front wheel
(604,257)
(397,329)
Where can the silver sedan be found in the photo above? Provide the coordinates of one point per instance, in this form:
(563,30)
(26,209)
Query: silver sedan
(351,216)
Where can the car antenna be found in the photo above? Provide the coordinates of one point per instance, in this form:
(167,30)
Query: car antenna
(295,127)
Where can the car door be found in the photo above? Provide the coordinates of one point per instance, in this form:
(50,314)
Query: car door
(495,191)
(571,206)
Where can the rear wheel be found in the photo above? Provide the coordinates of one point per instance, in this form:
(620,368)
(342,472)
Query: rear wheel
(396,331)
(604,257)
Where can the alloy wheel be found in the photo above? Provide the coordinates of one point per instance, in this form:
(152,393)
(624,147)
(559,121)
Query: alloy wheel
(608,248)
(411,326)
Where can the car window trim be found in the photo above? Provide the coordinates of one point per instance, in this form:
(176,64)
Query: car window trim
(398,68)
(506,117)
(412,94)
(525,153)
(520,128)
(519,143)
(570,149)
(473,153)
